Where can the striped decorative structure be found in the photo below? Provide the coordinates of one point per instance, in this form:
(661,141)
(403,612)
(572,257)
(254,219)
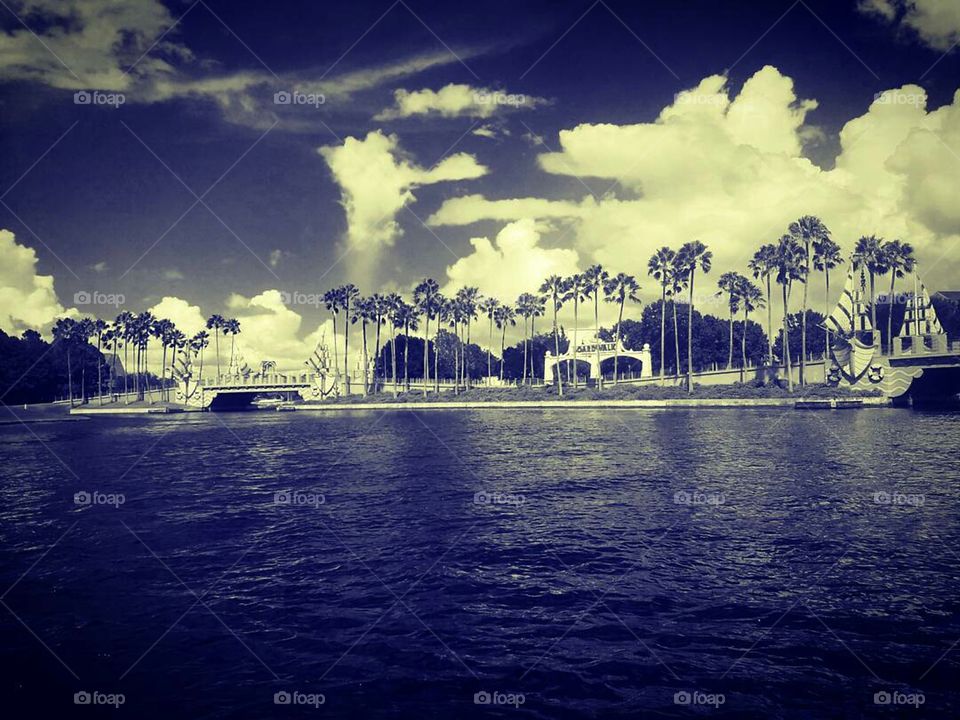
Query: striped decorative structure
(920,317)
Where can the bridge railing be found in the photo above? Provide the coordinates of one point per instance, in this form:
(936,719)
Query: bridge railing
(257,380)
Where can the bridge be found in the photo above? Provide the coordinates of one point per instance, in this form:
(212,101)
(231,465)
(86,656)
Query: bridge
(594,352)
(232,391)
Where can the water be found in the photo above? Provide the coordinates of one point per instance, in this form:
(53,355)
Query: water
(783,585)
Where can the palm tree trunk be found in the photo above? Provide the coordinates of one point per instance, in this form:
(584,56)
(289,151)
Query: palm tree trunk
(376,361)
(769,322)
(873,308)
(336,353)
(676,340)
(786,340)
(113,371)
(393,357)
(616,345)
(69,375)
(346,345)
(533,372)
(503,342)
(576,322)
(730,354)
(216,338)
(556,349)
(406,356)
(596,329)
(803,323)
(126,371)
(99,374)
(893,278)
(466,359)
(826,359)
(366,363)
(489,345)
(163,373)
(663,328)
(436,360)
(426,353)
(690,337)
(525,351)
(743,346)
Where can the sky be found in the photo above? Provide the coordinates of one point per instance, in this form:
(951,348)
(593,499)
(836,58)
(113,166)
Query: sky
(241,158)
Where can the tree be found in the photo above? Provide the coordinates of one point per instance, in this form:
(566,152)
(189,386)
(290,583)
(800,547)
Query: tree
(578,289)
(379,310)
(868,253)
(231,327)
(750,299)
(807,231)
(393,304)
(123,323)
(594,280)
(64,332)
(526,307)
(407,317)
(198,343)
(791,267)
(899,259)
(349,294)
(730,283)
(363,313)
(425,297)
(660,267)
(215,323)
(99,328)
(692,255)
(444,308)
(618,290)
(503,316)
(826,256)
(763,264)
(555,288)
(332,302)
(489,307)
(468,299)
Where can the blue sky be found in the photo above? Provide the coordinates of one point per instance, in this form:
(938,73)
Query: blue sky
(567,113)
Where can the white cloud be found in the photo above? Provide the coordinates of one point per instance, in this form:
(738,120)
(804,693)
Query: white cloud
(730,171)
(269,330)
(513,263)
(27,300)
(88,43)
(172,274)
(935,22)
(99,267)
(377,179)
(456,100)
(188,318)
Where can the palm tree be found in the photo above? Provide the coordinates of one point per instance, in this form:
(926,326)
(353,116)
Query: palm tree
(332,302)
(763,264)
(99,328)
(730,283)
(425,296)
(110,338)
(392,305)
(899,259)
(453,314)
(618,290)
(826,256)
(178,341)
(363,312)
(577,290)
(750,299)
(807,231)
(408,319)
(526,306)
(231,327)
(348,295)
(489,306)
(594,279)
(660,267)
(504,315)
(198,343)
(64,332)
(444,310)
(538,308)
(469,299)
(868,253)
(692,255)
(791,266)
(215,323)
(379,311)
(555,288)
(162,330)
(122,326)
(84,331)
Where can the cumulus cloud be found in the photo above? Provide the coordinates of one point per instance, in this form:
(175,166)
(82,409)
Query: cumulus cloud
(188,318)
(269,330)
(456,100)
(377,179)
(513,263)
(27,300)
(935,22)
(730,170)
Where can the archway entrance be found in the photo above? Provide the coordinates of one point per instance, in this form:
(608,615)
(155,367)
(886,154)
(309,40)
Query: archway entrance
(595,352)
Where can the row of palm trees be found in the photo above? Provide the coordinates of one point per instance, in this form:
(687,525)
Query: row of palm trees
(132,333)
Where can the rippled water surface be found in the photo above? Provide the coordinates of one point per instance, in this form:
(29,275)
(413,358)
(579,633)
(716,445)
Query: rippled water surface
(637,555)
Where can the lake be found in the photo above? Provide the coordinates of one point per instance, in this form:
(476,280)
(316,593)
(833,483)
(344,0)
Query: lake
(535,563)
